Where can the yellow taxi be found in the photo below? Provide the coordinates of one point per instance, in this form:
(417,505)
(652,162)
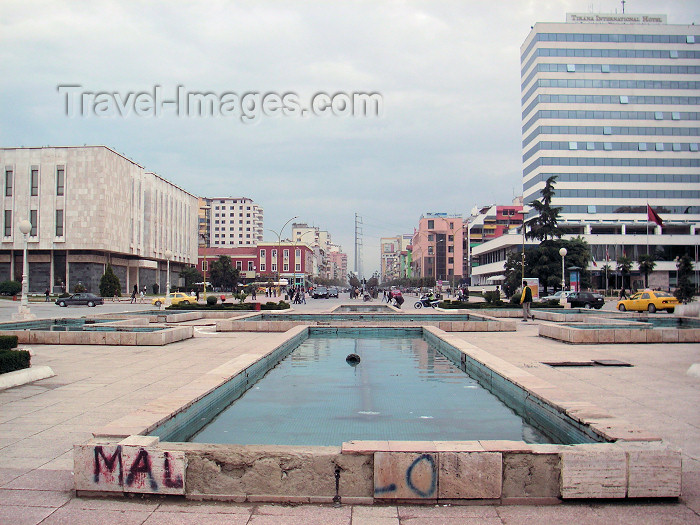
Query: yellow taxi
(649,300)
(175,298)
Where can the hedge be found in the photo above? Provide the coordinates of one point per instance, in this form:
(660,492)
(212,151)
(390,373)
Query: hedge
(230,306)
(8,341)
(449,305)
(11,360)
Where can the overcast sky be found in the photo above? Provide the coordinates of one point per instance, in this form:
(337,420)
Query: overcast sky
(448,74)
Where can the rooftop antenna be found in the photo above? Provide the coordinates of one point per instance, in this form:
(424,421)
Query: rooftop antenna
(623,2)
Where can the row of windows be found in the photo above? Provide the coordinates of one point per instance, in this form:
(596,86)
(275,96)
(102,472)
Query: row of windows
(627,194)
(611,130)
(606,161)
(609,146)
(611,68)
(668,178)
(240,207)
(240,214)
(34,181)
(34,220)
(625,209)
(614,37)
(229,242)
(616,115)
(610,99)
(609,84)
(609,53)
(240,235)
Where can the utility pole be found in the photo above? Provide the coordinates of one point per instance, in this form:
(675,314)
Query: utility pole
(358,246)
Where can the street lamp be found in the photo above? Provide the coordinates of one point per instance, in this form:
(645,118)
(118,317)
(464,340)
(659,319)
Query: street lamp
(23,312)
(562,252)
(279,244)
(168,255)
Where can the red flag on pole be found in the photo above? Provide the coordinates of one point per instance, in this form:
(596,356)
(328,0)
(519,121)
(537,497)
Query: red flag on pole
(652,216)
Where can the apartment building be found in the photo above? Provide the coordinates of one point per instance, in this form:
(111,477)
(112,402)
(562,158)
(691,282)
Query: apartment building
(228,222)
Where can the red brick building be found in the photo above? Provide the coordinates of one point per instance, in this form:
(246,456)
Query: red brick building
(264,262)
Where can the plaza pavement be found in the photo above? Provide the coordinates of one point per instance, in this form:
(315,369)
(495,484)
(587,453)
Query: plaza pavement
(40,422)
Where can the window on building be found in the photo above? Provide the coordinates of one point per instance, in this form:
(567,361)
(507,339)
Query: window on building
(285,267)
(690,39)
(674,53)
(273,267)
(676,146)
(573,145)
(262,254)
(8,223)
(693,147)
(659,146)
(624,99)
(571,68)
(60,180)
(8,182)
(285,253)
(607,130)
(297,267)
(205,265)
(239,265)
(430,250)
(450,249)
(59,223)
(676,115)
(590,145)
(605,68)
(642,146)
(658,115)
(431,224)
(250,266)
(607,146)
(263,267)
(450,260)
(430,237)
(34,182)
(34,219)
(297,253)
(273,253)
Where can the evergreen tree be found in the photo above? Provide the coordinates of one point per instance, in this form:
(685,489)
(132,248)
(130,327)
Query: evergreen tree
(513,273)
(686,289)
(191,276)
(624,266)
(109,283)
(646,266)
(223,274)
(544,226)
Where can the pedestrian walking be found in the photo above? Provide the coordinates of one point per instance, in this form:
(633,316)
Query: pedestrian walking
(623,294)
(526,301)
(47,293)
(133,294)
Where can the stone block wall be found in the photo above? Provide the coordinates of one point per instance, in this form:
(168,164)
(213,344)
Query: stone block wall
(89,274)
(39,276)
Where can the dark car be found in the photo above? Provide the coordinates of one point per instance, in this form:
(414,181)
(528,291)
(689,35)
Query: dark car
(319,291)
(332,292)
(585,300)
(88,299)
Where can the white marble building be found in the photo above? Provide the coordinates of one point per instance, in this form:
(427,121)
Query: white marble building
(90,206)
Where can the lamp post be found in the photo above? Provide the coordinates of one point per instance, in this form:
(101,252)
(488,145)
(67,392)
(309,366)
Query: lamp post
(23,312)
(168,255)
(562,252)
(279,245)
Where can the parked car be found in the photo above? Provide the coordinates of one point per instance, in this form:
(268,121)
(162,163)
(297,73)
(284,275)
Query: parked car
(585,300)
(320,291)
(175,298)
(556,296)
(83,298)
(649,300)
(332,291)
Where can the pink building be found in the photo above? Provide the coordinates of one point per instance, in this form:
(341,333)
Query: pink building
(438,247)
(265,261)
(338,265)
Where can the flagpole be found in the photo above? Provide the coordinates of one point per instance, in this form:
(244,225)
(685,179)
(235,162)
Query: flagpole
(647,229)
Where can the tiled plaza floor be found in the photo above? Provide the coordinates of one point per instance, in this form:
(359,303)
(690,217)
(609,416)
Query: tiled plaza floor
(40,422)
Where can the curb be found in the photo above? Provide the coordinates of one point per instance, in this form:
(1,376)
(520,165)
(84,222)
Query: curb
(22,377)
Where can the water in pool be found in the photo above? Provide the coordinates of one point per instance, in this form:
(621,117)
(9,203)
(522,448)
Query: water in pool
(402,389)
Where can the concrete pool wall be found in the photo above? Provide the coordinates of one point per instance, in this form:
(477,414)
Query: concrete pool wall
(121,335)
(476,323)
(623,333)
(123,459)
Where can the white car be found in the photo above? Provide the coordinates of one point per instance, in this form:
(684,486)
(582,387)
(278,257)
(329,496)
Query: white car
(556,296)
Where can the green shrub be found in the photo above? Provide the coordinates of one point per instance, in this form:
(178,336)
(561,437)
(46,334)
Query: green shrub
(493,297)
(8,341)
(10,288)
(282,305)
(11,360)
(64,295)
(211,300)
(109,284)
(155,288)
(79,288)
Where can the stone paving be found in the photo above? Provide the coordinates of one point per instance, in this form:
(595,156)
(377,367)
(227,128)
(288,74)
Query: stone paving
(40,422)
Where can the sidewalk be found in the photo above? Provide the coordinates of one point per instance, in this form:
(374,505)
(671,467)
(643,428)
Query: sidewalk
(39,423)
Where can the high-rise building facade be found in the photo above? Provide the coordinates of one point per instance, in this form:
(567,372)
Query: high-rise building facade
(438,247)
(610,106)
(230,222)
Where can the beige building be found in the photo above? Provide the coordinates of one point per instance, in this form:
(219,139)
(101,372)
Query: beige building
(90,206)
(229,222)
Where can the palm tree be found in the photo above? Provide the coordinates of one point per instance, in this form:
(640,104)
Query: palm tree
(624,266)
(646,266)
